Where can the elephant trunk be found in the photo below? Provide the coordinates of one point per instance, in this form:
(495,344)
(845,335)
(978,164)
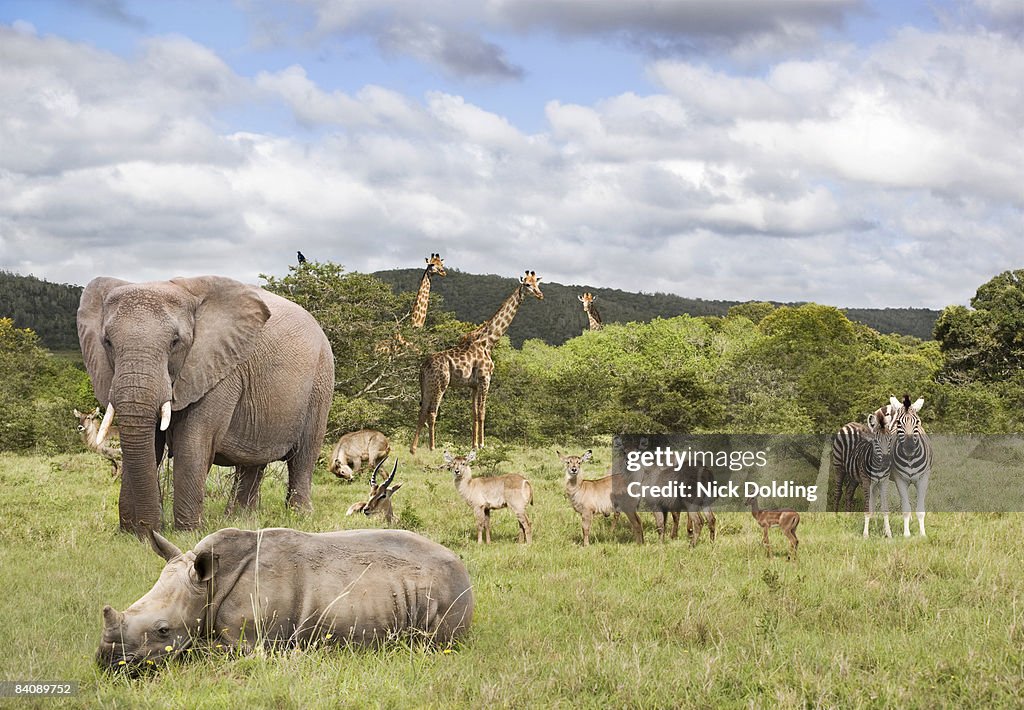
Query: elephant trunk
(138,405)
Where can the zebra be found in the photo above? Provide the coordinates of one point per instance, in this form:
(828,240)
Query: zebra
(911,457)
(862,453)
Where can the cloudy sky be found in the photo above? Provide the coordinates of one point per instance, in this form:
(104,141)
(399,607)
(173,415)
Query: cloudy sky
(853,152)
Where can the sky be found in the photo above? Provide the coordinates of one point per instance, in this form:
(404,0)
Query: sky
(861,153)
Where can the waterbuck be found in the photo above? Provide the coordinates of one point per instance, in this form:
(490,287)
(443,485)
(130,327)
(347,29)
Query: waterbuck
(379,501)
(594,497)
(89,424)
(489,493)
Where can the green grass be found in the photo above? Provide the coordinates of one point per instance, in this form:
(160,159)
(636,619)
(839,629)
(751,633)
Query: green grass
(934,622)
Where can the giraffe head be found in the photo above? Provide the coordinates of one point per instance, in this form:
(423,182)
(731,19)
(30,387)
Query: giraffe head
(586,299)
(532,282)
(435,265)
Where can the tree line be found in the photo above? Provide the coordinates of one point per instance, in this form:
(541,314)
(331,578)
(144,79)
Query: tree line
(758,368)
(49,309)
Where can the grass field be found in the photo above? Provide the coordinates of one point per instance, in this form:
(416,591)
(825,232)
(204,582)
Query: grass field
(936,622)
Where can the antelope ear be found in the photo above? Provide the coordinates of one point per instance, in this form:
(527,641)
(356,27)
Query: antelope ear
(77,413)
(448,458)
(559,455)
(90,334)
(391,491)
(228,318)
(471,456)
(586,456)
(916,406)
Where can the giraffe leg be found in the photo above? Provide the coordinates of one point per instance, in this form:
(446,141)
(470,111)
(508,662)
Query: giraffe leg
(480,411)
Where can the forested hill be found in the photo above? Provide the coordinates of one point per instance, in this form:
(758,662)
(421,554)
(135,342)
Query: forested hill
(49,309)
(560,316)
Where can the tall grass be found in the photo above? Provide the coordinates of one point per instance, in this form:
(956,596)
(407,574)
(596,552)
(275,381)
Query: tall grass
(915,623)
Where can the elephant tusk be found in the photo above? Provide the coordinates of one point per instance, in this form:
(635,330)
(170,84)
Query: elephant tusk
(165,415)
(108,417)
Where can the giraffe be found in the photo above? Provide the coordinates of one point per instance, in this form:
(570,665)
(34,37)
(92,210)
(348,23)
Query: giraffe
(469,364)
(394,346)
(435,265)
(587,299)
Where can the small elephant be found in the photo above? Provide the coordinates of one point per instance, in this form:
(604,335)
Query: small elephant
(221,372)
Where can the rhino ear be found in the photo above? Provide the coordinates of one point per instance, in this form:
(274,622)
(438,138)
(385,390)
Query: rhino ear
(205,566)
(161,545)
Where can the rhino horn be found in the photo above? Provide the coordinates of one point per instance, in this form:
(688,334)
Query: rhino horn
(111,617)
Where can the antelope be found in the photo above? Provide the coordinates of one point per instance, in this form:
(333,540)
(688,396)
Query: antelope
(590,497)
(379,501)
(89,429)
(785,519)
(697,507)
(491,493)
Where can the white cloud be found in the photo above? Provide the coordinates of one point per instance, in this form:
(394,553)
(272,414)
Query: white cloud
(838,178)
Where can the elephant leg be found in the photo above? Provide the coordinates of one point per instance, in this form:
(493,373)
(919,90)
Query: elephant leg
(247,487)
(191,467)
(304,457)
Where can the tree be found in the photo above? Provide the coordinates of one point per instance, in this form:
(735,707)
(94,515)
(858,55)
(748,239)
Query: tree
(985,342)
(376,352)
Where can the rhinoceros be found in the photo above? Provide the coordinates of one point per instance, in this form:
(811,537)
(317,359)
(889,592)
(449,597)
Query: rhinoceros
(281,588)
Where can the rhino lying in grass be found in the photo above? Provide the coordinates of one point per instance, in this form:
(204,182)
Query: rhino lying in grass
(280,588)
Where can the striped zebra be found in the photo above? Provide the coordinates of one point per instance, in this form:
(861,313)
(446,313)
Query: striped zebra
(862,453)
(911,457)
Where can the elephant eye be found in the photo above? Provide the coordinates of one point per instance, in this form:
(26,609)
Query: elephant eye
(164,631)
(106,341)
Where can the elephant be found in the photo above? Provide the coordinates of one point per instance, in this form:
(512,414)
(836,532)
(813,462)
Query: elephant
(219,371)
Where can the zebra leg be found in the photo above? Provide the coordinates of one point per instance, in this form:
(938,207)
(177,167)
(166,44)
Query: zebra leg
(869,505)
(922,489)
(885,505)
(902,485)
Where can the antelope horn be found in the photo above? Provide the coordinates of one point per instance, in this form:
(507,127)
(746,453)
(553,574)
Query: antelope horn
(165,415)
(392,476)
(373,476)
(108,417)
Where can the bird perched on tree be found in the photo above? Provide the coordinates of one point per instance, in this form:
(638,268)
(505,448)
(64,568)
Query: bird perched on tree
(302,259)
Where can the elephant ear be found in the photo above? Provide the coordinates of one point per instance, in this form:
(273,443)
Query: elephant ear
(90,334)
(228,319)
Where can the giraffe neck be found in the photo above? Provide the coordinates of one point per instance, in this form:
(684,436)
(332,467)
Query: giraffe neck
(491,330)
(592,317)
(419,307)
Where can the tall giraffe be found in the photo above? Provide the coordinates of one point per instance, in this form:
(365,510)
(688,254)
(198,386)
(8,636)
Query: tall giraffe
(469,364)
(587,299)
(435,265)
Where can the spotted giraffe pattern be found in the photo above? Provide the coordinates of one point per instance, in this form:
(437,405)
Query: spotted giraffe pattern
(435,265)
(587,299)
(469,364)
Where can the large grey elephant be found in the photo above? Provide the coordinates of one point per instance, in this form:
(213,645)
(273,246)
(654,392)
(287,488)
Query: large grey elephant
(221,372)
